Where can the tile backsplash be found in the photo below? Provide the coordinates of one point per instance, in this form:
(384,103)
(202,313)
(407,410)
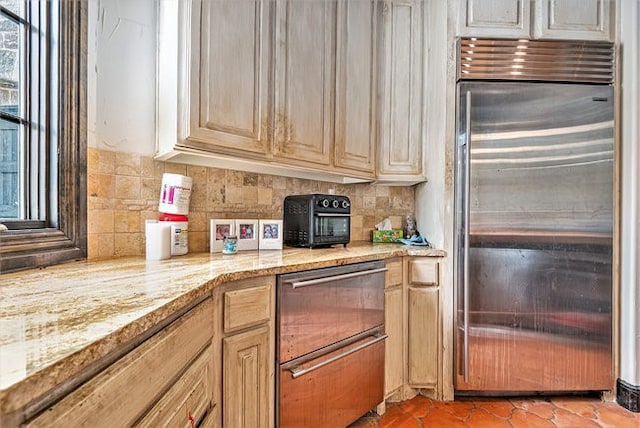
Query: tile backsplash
(124,190)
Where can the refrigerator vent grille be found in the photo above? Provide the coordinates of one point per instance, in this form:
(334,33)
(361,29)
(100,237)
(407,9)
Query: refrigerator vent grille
(536,60)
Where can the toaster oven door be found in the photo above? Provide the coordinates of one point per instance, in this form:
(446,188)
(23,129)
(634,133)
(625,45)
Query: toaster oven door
(331,228)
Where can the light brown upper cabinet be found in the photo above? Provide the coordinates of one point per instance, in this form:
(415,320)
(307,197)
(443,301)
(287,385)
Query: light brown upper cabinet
(401,126)
(547,19)
(285,87)
(293,88)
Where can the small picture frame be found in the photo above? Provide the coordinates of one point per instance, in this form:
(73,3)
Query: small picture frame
(219,228)
(270,235)
(247,232)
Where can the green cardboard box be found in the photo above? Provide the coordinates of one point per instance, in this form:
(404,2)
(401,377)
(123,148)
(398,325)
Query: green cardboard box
(394,235)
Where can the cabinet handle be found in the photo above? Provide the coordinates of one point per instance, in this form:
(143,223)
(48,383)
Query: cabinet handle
(296,371)
(326,279)
(467,218)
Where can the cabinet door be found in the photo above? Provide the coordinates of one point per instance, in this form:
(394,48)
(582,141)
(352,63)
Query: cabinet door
(495,18)
(393,347)
(355,111)
(423,336)
(574,19)
(401,105)
(423,319)
(304,80)
(246,379)
(228,104)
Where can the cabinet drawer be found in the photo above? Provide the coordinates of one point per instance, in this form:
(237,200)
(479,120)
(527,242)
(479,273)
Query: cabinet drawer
(424,272)
(393,276)
(124,391)
(189,398)
(246,307)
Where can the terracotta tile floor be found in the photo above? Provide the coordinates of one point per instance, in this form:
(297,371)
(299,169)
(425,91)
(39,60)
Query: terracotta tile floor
(571,412)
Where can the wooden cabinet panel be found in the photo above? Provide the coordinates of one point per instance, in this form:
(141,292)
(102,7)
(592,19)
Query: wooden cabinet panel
(423,271)
(230,44)
(423,336)
(574,19)
(495,18)
(303,80)
(246,379)
(393,275)
(393,351)
(246,307)
(401,106)
(355,112)
(123,392)
(188,400)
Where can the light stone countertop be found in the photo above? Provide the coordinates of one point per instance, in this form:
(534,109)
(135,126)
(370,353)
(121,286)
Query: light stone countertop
(57,321)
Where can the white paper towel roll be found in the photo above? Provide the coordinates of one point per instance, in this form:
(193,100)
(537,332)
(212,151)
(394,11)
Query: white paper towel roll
(158,240)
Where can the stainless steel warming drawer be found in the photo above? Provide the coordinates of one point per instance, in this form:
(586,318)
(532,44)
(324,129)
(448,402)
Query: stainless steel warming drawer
(330,345)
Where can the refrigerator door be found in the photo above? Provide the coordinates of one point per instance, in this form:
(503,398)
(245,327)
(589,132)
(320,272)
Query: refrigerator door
(534,207)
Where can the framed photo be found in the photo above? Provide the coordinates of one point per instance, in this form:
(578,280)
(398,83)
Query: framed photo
(219,228)
(270,235)
(247,232)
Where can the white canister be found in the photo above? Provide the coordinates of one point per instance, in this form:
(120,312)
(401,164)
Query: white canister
(158,240)
(175,194)
(179,226)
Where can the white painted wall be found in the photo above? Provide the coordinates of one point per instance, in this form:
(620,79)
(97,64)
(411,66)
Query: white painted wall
(629,33)
(122,75)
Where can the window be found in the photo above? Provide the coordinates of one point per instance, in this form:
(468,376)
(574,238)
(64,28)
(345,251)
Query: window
(42,132)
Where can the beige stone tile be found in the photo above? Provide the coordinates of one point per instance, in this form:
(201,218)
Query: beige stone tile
(265,180)
(369,203)
(234,178)
(106,162)
(198,200)
(198,222)
(128,244)
(100,221)
(279,182)
(99,245)
(127,221)
(233,194)
(93,160)
(150,190)
(265,196)
(382,190)
(198,241)
(382,203)
(128,164)
(175,168)
(250,179)
(128,187)
(101,185)
(151,168)
(249,196)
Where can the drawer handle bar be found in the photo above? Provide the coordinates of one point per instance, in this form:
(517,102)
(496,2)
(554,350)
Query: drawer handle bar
(326,279)
(296,372)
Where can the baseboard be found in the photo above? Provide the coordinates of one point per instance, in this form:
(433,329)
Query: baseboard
(628,396)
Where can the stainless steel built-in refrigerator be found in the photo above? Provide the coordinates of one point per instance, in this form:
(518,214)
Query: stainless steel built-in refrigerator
(534,217)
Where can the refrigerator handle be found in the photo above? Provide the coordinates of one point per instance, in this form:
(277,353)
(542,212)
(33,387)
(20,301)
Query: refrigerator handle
(467,218)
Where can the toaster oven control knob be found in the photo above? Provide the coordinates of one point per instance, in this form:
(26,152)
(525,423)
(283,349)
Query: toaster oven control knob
(335,203)
(345,204)
(324,203)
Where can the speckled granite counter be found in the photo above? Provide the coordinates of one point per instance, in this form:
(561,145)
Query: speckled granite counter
(55,322)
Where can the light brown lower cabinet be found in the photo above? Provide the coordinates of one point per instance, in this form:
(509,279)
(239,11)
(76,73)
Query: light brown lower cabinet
(412,322)
(423,322)
(394,320)
(246,379)
(164,381)
(245,346)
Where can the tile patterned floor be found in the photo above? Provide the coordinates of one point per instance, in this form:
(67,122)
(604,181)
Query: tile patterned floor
(560,412)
